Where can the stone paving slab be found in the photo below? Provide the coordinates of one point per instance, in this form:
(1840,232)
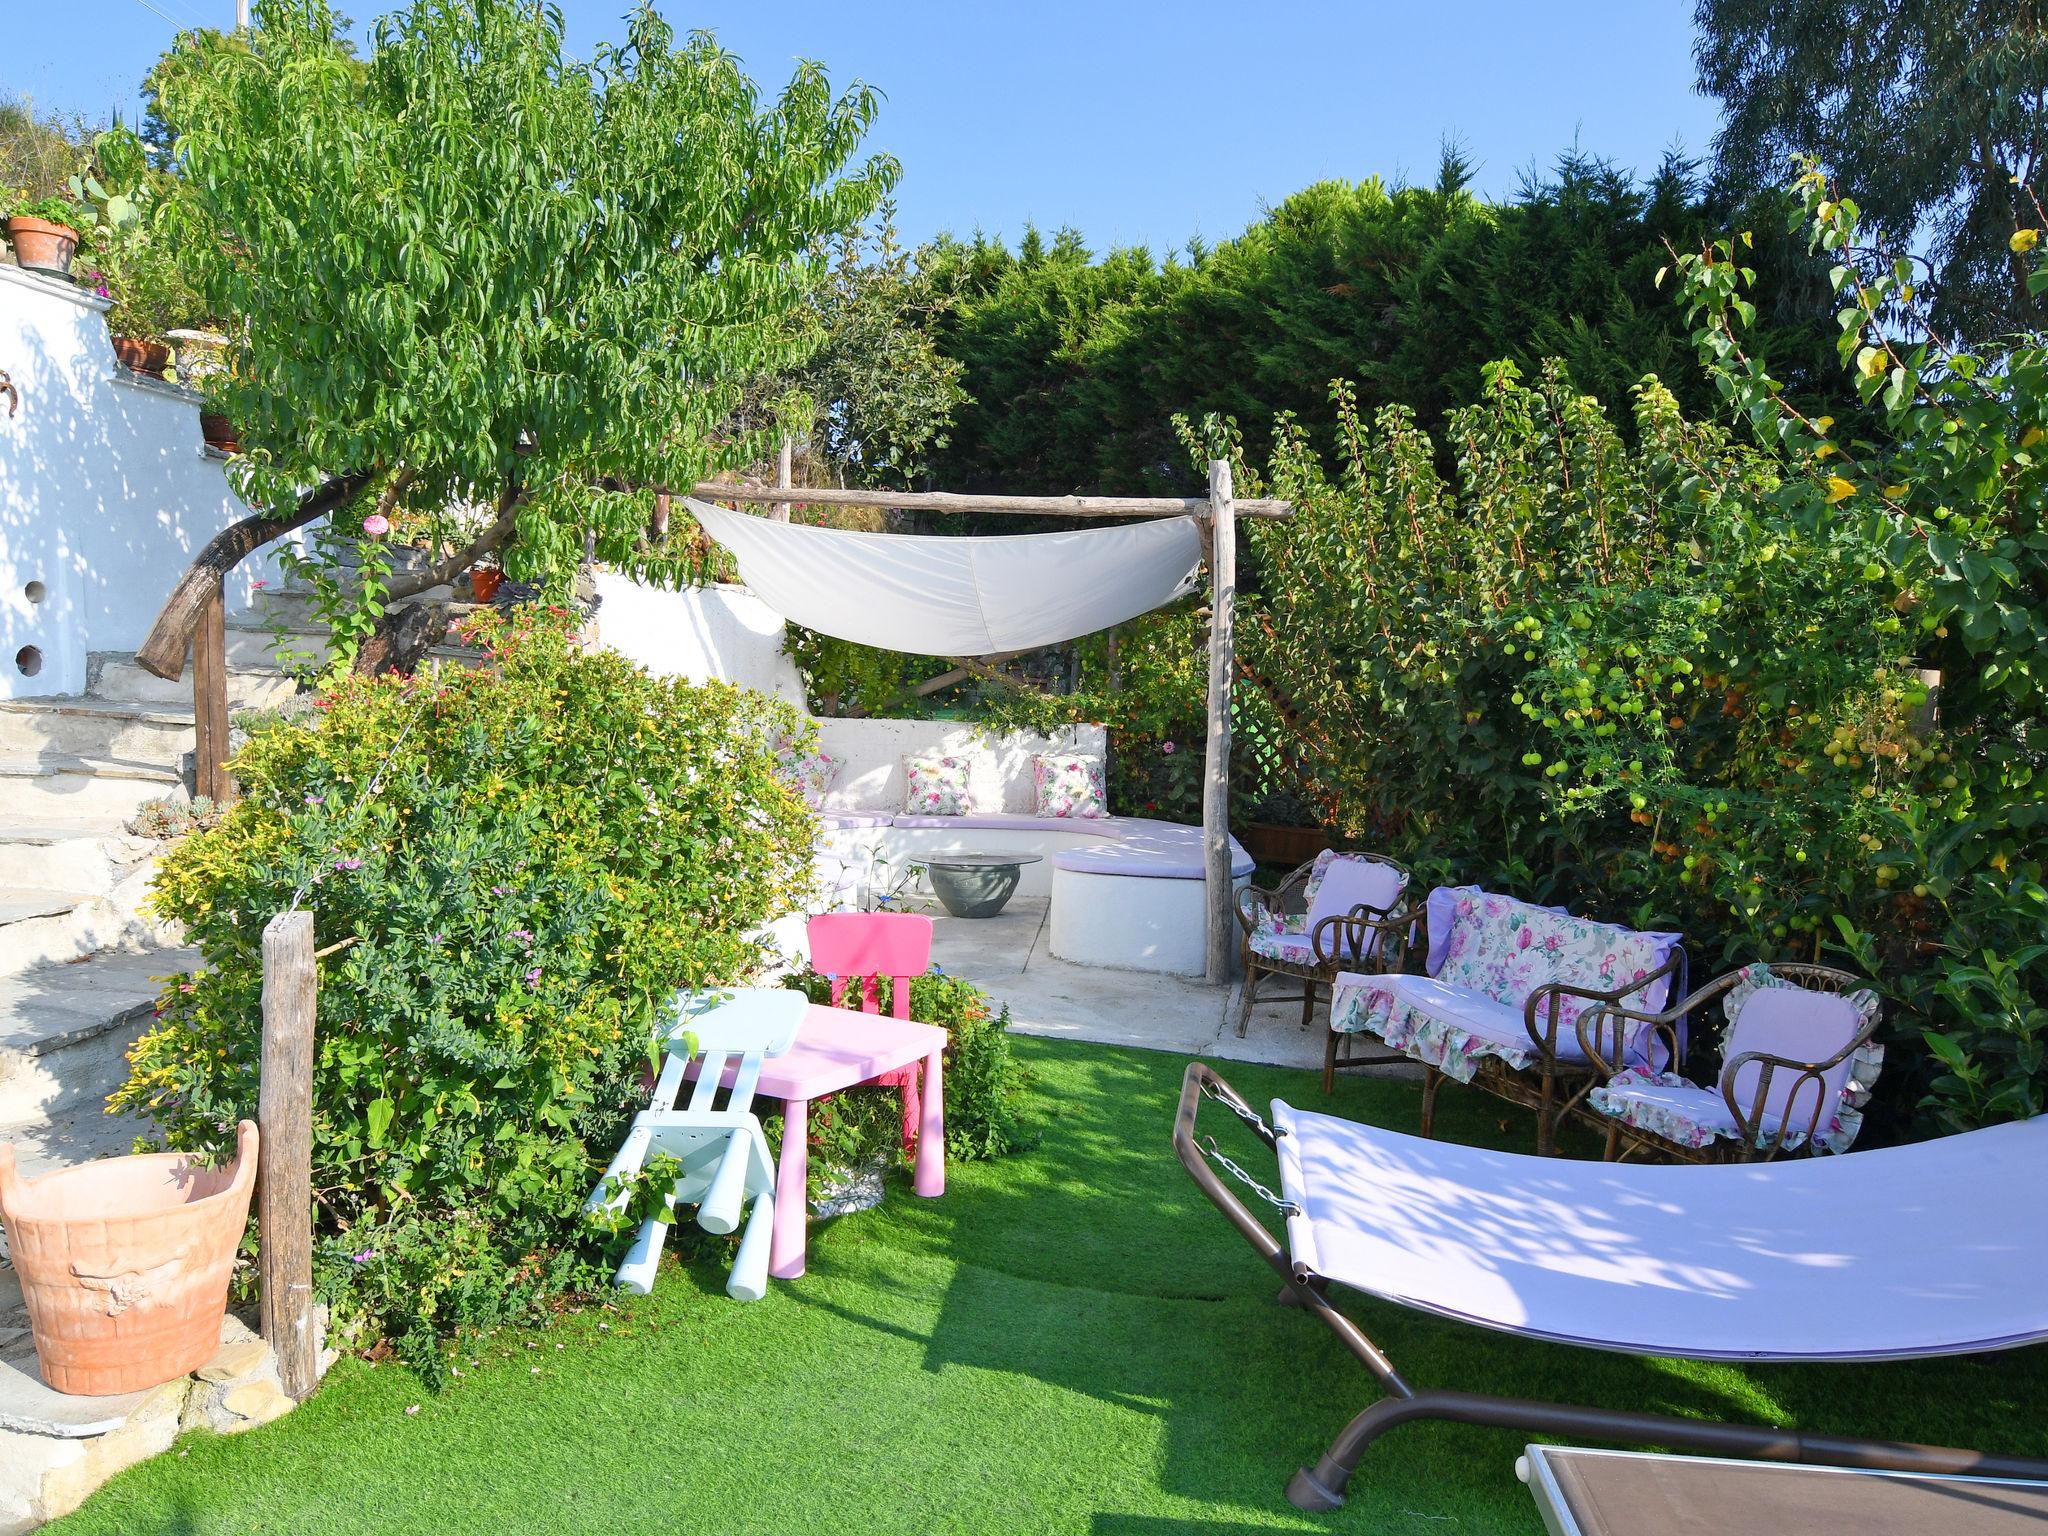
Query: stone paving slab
(1008,956)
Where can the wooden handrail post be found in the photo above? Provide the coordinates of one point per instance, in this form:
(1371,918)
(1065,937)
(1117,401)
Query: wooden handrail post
(1216,860)
(284,1115)
(210,776)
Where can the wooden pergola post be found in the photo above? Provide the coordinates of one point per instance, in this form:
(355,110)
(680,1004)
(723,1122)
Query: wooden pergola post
(1217,878)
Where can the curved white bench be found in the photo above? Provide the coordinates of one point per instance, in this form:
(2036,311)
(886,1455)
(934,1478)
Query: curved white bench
(1126,890)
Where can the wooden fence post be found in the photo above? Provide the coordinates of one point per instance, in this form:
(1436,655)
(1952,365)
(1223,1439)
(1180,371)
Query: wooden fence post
(782,482)
(1216,763)
(210,700)
(284,1187)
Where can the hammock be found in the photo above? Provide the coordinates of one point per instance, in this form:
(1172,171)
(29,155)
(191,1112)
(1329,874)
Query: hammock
(1899,1254)
(957,596)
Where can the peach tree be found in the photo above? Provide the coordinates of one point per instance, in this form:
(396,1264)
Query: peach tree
(474,280)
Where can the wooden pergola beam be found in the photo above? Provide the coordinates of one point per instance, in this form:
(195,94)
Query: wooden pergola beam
(954,501)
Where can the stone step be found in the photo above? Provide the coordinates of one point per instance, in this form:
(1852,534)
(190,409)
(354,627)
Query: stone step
(118,679)
(90,856)
(96,727)
(60,787)
(55,927)
(65,1031)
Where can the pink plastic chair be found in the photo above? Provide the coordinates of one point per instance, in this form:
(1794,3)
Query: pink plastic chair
(867,945)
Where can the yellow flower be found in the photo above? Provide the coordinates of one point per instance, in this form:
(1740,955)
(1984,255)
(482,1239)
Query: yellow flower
(1839,489)
(2024,239)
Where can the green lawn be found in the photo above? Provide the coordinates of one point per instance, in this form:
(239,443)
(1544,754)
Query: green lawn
(1069,1341)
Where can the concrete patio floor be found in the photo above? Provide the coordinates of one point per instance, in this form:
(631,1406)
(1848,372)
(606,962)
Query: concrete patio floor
(1009,956)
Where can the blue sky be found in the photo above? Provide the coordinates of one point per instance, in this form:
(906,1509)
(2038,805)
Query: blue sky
(1138,123)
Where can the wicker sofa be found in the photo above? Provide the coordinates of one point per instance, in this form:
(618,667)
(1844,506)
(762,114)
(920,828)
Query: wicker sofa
(1501,988)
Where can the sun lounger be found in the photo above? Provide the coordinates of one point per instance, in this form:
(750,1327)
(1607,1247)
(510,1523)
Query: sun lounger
(1888,1255)
(1629,1493)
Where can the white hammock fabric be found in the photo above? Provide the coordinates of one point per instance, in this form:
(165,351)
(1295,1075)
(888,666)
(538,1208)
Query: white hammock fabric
(1933,1249)
(957,596)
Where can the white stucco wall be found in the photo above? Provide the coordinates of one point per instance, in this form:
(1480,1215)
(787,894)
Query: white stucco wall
(698,634)
(106,490)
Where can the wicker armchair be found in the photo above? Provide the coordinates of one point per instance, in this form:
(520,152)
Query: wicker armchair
(1791,1077)
(1314,924)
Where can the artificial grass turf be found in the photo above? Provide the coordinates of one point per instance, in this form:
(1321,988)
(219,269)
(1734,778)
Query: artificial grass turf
(1071,1340)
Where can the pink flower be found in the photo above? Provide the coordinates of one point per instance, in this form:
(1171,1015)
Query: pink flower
(376,525)
(1168,747)
(348,863)
(533,977)
(259,585)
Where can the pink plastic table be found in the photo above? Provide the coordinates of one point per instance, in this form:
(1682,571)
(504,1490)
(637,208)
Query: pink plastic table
(836,1049)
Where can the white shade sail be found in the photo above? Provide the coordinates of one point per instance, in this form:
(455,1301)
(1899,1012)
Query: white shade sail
(957,596)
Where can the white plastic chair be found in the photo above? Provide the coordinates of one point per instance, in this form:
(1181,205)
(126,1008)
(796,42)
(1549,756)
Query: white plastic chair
(724,1152)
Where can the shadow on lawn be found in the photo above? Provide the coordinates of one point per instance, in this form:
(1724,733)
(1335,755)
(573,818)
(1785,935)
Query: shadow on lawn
(1094,1265)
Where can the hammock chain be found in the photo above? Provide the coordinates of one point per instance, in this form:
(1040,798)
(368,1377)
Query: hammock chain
(1215,1155)
(1244,1112)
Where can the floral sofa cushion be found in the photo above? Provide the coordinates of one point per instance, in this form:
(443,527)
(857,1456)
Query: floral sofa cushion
(1767,1013)
(1449,1028)
(1069,785)
(938,786)
(1487,954)
(1506,949)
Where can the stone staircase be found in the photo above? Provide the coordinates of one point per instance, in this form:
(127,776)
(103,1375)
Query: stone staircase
(79,957)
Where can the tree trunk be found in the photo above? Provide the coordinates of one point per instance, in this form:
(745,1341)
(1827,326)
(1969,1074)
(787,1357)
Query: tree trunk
(163,652)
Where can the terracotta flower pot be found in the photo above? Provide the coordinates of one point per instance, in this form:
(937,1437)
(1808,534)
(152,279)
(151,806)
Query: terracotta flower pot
(150,357)
(484,582)
(124,1263)
(42,246)
(219,432)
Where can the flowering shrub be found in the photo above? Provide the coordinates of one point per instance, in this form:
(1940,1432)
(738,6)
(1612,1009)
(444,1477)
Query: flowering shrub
(523,862)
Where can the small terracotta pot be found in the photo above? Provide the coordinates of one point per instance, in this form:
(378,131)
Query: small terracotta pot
(484,582)
(219,432)
(124,1263)
(42,246)
(150,357)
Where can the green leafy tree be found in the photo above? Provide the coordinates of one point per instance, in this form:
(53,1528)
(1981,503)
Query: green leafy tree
(1078,364)
(470,269)
(1930,110)
(879,392)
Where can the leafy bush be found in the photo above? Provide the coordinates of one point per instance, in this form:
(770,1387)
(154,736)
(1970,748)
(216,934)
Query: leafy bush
(982,1084)
(523,862)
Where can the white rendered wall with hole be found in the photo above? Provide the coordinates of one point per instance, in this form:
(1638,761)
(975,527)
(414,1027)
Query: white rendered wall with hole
(106,491)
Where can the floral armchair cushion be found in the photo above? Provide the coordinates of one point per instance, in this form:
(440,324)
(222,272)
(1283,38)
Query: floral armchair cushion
(1069,785)
(937,786)
(810,774)
(1766,1013)
(1337,882)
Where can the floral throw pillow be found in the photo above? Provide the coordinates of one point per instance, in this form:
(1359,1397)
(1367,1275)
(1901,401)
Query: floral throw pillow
(810,774)
(1069,786)
(937,786)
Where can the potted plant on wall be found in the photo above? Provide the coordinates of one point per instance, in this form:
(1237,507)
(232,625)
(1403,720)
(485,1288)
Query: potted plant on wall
(45,231)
